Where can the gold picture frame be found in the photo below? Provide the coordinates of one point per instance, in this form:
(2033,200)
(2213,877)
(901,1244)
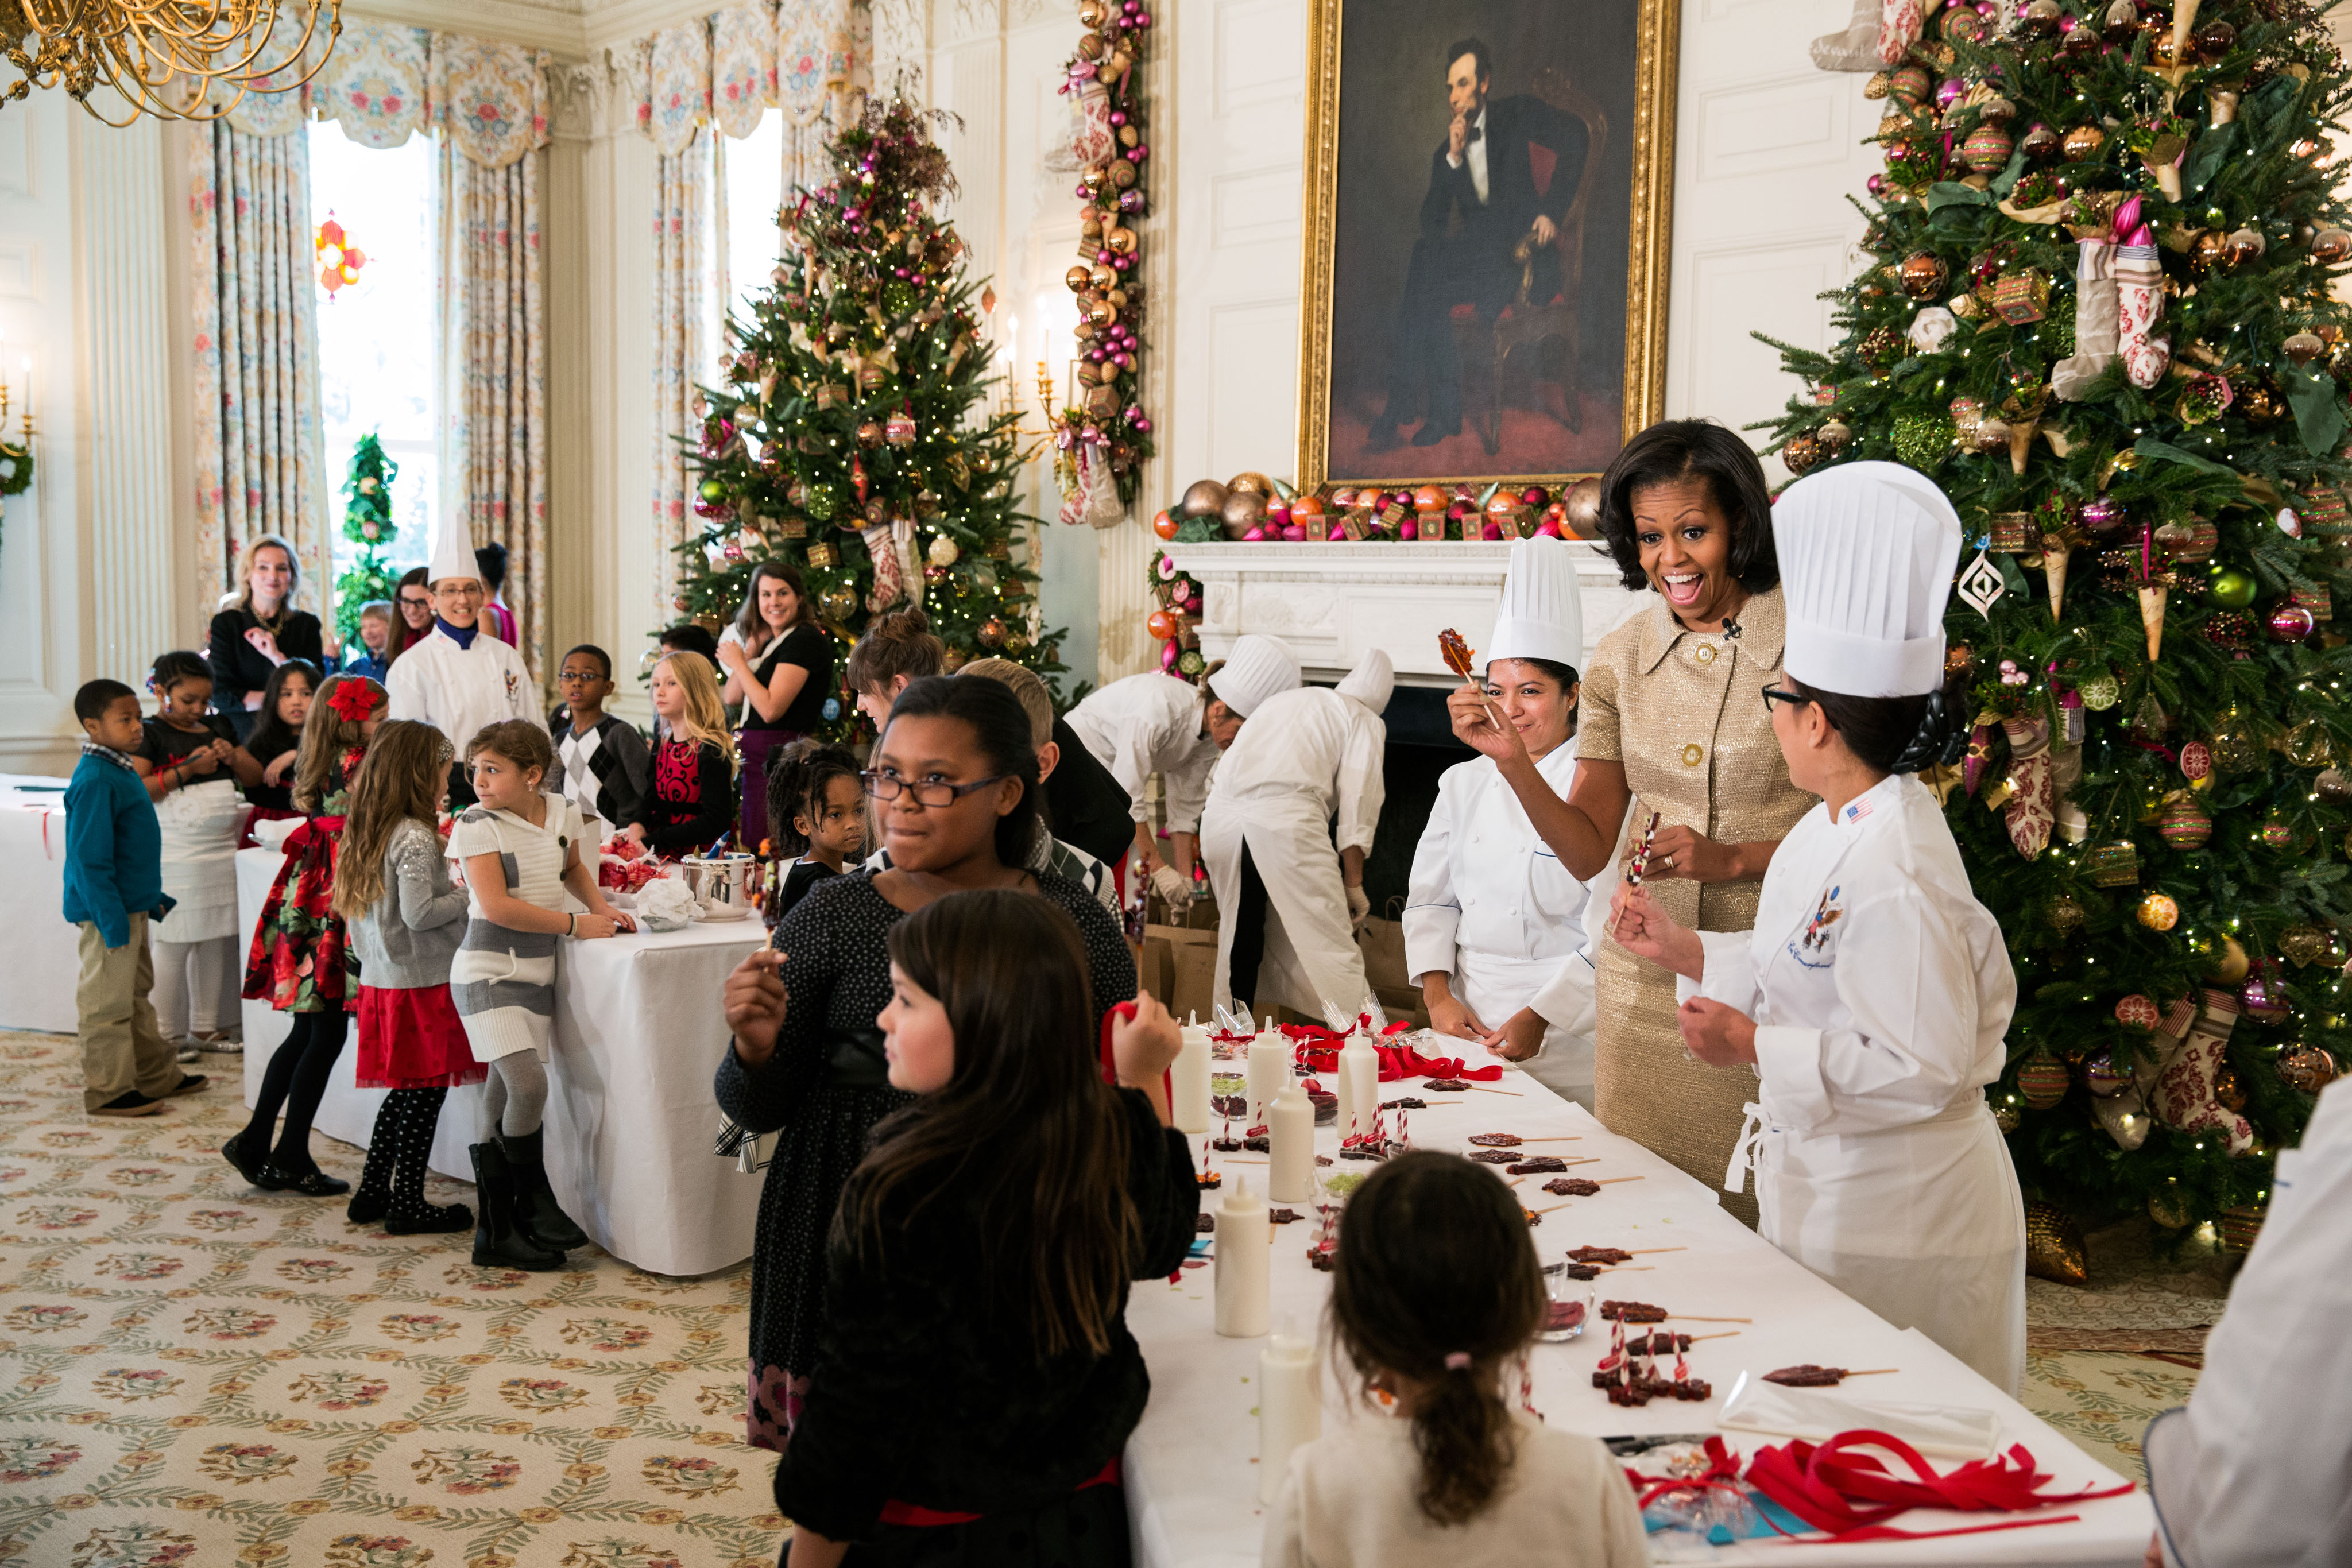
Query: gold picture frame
(1647,135)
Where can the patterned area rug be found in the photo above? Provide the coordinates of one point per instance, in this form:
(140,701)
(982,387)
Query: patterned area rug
(2103,1400)
(197,1373)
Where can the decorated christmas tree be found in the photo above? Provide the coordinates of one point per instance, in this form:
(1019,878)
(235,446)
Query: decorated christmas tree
(368,523)
(855,436)
(2100,315)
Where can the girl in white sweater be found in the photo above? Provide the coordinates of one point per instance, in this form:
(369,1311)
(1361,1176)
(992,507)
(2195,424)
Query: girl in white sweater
(1436,1295)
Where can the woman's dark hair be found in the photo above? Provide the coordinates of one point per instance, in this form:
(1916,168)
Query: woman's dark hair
(172,668)
(895,645)
(1025,1133)
(1897,735)
(750,625)
(1000,725)
(799,778)
(1433,1263)
(1564,673)
(402,638)
(491,561)
(271,735)
(1693,449)
(686,637)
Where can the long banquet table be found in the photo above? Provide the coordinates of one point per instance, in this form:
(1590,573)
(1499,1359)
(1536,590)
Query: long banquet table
(1192,1470)
(630,1117)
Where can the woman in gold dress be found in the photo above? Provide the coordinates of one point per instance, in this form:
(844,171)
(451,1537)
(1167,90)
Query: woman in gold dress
(1673,724)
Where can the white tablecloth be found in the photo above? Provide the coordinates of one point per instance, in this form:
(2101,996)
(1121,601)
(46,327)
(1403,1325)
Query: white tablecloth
(630,1117)
(44,951)
(1192,1474)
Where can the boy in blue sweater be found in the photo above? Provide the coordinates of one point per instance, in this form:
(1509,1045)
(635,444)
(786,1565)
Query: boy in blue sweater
(114,886)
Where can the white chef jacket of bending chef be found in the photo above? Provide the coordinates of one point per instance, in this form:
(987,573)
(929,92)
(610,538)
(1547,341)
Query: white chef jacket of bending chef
(2257,1471)
(460,691)
(1152,724)
(1880,990)
(1306,756)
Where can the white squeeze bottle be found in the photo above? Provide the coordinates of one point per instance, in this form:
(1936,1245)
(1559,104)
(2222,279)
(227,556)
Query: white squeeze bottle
(1290,1134)
(1270,1069)
(1360,1085)
(1242,1261)
(1289,1404)
(1190,1108)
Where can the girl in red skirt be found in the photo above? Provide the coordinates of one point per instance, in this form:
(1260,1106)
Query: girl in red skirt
(406,920)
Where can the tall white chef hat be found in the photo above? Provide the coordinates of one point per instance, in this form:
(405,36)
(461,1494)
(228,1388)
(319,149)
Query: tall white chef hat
(1542,613)
(1256,669)
(453,549)
(1867,556)
(1371,681)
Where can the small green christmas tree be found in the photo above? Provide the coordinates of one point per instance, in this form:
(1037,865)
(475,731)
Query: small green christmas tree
(2100,314)
(368,523)
(853,437)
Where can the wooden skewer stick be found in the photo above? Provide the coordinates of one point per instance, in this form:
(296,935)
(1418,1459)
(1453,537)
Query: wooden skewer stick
(1694,1318)
(1639,1251)
(1512,1092)
(1604,1181)
(1627,1268)
(1726,1334)
(1873,1372)
(1555,1207)
(1562,1138)
(1245,1159)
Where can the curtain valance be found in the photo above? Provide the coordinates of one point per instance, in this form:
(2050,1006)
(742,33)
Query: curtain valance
(385,82)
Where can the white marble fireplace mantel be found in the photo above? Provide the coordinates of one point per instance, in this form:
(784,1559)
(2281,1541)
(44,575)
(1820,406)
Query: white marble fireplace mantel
(1332,602)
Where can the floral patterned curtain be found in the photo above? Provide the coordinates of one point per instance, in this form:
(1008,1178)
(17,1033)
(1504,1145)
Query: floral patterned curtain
(260,451)
(684,298)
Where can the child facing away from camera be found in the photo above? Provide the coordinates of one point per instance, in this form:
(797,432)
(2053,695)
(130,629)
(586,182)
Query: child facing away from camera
(405,919)
(605,768)
(520,847)
(817,819)
(113,891)
(1435,1296)
(184,756)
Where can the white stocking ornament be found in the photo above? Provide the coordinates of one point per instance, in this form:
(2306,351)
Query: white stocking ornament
(890,577)
(2140,300)
(2184,1085)
(2095,321)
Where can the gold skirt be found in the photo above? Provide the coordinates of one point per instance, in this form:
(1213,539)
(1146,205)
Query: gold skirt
(1647,1087)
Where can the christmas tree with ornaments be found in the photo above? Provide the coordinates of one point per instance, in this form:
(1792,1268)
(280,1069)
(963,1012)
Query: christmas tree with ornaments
(2100,315)
(854,436)
(367,523)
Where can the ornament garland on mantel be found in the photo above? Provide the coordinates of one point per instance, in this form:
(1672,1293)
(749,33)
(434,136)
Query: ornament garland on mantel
(15,457)
(1102,435)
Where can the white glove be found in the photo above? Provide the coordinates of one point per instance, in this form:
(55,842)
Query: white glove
(1359,907)
(1169,883)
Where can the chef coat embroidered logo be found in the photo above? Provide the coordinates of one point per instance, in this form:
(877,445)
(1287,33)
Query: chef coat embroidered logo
(512,684)
(1816,939)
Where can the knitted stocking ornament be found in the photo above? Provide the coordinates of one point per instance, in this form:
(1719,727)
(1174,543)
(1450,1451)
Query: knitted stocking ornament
(2095,321)
(1855,49)
(2184,1089)
(889,581)
(2140,300)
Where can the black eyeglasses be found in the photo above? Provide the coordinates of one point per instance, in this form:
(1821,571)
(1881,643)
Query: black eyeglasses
(1773,694)
(416,603)
(882,784)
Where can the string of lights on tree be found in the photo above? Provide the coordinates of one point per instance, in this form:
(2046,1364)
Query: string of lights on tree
(2100,315)
(851,436)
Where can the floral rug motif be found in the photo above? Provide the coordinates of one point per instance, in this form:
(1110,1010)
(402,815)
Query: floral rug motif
(2103,1400)
(198,1374)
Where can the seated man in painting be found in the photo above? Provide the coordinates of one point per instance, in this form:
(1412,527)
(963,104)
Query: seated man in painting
(1482,202)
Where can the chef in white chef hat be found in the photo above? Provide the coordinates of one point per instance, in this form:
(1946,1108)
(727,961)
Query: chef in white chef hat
(1872,998)
(1492,919)
(457,679)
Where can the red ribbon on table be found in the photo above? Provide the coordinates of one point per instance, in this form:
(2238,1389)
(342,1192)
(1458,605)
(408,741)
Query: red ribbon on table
(1317,1050)
(1850,1494)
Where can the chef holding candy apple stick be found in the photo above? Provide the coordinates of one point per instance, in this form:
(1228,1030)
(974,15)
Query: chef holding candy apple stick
(1872,998)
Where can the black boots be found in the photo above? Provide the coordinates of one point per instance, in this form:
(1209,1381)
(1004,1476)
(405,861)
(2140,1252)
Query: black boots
(535,1206)
(499,1239)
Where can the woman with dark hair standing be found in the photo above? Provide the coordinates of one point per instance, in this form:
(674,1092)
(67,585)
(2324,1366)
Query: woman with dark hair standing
(1867,1009)
(1685,514)
(259,631)
(777,662)
(412,604)
(953,781)
(496,619)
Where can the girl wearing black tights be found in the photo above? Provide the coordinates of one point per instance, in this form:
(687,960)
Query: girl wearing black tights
(302,961)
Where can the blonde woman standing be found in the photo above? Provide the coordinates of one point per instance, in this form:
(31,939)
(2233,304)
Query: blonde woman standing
(258,631)
(692,804)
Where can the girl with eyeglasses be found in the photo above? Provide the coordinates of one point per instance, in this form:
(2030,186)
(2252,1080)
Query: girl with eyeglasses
(953,784)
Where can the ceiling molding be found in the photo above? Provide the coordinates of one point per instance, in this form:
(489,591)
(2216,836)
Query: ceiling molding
(572,30)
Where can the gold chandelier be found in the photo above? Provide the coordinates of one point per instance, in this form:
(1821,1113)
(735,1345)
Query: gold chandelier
(174,59)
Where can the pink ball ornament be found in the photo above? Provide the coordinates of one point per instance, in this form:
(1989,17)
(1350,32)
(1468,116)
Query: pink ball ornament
(1949,91)
(1294,532)
(1408,530)
(1548,529)
(1491,532)
(1168,657)
(2292,623)
(1278,513)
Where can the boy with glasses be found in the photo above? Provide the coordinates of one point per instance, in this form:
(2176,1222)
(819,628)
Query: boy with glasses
(606,769)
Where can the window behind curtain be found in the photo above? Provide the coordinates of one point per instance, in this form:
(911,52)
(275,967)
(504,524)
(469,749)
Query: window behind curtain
(376,336)
(755,189)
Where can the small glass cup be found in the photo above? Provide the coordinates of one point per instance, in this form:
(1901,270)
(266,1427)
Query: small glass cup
(1568,1305)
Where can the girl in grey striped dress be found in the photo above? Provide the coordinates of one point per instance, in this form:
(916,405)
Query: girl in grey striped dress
(521,848)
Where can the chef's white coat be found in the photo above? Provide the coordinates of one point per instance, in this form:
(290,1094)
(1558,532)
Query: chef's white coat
(1491,905)
(2256,1472)
(1306,756)
(459,691)
(1152,724)
(1880,990)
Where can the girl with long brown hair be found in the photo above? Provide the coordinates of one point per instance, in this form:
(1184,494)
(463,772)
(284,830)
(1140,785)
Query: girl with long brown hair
(1435,1296)
(406,918)
(974,1373)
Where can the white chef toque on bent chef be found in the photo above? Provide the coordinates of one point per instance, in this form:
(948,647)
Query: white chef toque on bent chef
(1866,554)
(1542,612)
(453,549)
(1256,669)
(1371,681)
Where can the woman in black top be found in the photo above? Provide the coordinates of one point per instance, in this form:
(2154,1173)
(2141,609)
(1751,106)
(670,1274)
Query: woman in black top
(955,782)
(260,632)
(779,666)
(975,1381)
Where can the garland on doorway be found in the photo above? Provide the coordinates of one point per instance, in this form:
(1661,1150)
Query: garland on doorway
(1102,435)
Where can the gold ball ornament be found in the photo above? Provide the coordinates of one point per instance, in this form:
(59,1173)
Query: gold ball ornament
(992,632)
(1203,499)
(1244,511)
(1834,437)
(2053,1245)
(2158,912)
(1922,275)
(2330,246)
(2306,1068)
(1992,433)
(1249,482)
(2307,745)
(2165,1206)
(1802,453)
(943,551)
(2008,1114)
(2084,144)
(2068,914)
(2231,966)
(2303,347)
(1077,278)
(2229,1089)
(2243,246)
(2303,945)
(837,604)
(2332,786)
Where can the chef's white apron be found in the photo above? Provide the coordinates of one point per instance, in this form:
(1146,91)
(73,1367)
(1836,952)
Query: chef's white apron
(1495,986)
(1310,955)
(200,824)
